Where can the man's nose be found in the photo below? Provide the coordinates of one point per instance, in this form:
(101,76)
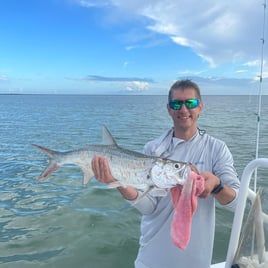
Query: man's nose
(183,107)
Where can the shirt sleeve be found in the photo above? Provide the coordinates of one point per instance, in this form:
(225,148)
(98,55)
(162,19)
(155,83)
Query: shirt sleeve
(144,203)
(223,167)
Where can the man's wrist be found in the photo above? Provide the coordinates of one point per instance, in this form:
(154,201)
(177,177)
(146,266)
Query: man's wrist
(218,188)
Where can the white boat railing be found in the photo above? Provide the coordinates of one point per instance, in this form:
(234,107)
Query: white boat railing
(244,193)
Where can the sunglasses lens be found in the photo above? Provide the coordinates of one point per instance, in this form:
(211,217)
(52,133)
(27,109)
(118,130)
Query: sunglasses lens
(175,104)
(192,103)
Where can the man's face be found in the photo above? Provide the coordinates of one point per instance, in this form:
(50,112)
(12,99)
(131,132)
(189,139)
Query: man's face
(185,118)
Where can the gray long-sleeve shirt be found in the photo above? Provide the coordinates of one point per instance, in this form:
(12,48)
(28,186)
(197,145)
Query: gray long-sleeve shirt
(156,247)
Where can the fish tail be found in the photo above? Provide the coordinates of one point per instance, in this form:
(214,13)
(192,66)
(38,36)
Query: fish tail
(47,151)
(52,165)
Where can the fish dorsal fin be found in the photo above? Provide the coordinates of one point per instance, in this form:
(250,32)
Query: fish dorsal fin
(107,137)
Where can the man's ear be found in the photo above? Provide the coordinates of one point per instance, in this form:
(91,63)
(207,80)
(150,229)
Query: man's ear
(168,108)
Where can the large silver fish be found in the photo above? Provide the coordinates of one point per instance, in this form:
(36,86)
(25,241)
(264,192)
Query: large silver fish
(128,167)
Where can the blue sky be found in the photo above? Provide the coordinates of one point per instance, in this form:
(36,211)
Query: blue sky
(131,46)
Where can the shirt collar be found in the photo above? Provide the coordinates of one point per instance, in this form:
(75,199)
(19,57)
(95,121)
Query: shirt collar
(178,140)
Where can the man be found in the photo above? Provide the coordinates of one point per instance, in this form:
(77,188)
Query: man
(210,156)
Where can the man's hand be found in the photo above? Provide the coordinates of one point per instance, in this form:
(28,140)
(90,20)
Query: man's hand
(225,196)
(101,169)
(211,181)
(102,172)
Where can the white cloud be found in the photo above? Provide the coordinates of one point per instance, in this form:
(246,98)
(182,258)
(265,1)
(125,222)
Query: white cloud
(3,78)
(218,31)
(241,71)
(186,73)
(252,63)
(93,3)
(265,75)
(137,86)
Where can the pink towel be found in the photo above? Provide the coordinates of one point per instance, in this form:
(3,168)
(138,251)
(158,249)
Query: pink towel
(184,200)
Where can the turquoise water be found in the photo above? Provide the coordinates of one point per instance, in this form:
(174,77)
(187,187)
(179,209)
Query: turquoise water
(60,223)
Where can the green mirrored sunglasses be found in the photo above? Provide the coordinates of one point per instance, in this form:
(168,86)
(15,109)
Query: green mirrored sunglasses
(190,104)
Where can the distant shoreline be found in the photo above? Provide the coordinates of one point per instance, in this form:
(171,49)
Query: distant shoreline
(127,95)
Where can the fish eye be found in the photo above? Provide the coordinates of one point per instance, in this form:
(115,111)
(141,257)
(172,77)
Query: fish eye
(177,166)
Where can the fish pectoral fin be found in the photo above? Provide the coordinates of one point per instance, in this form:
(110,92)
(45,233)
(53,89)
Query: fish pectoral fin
(142,194)
(88,175)
(115,184)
